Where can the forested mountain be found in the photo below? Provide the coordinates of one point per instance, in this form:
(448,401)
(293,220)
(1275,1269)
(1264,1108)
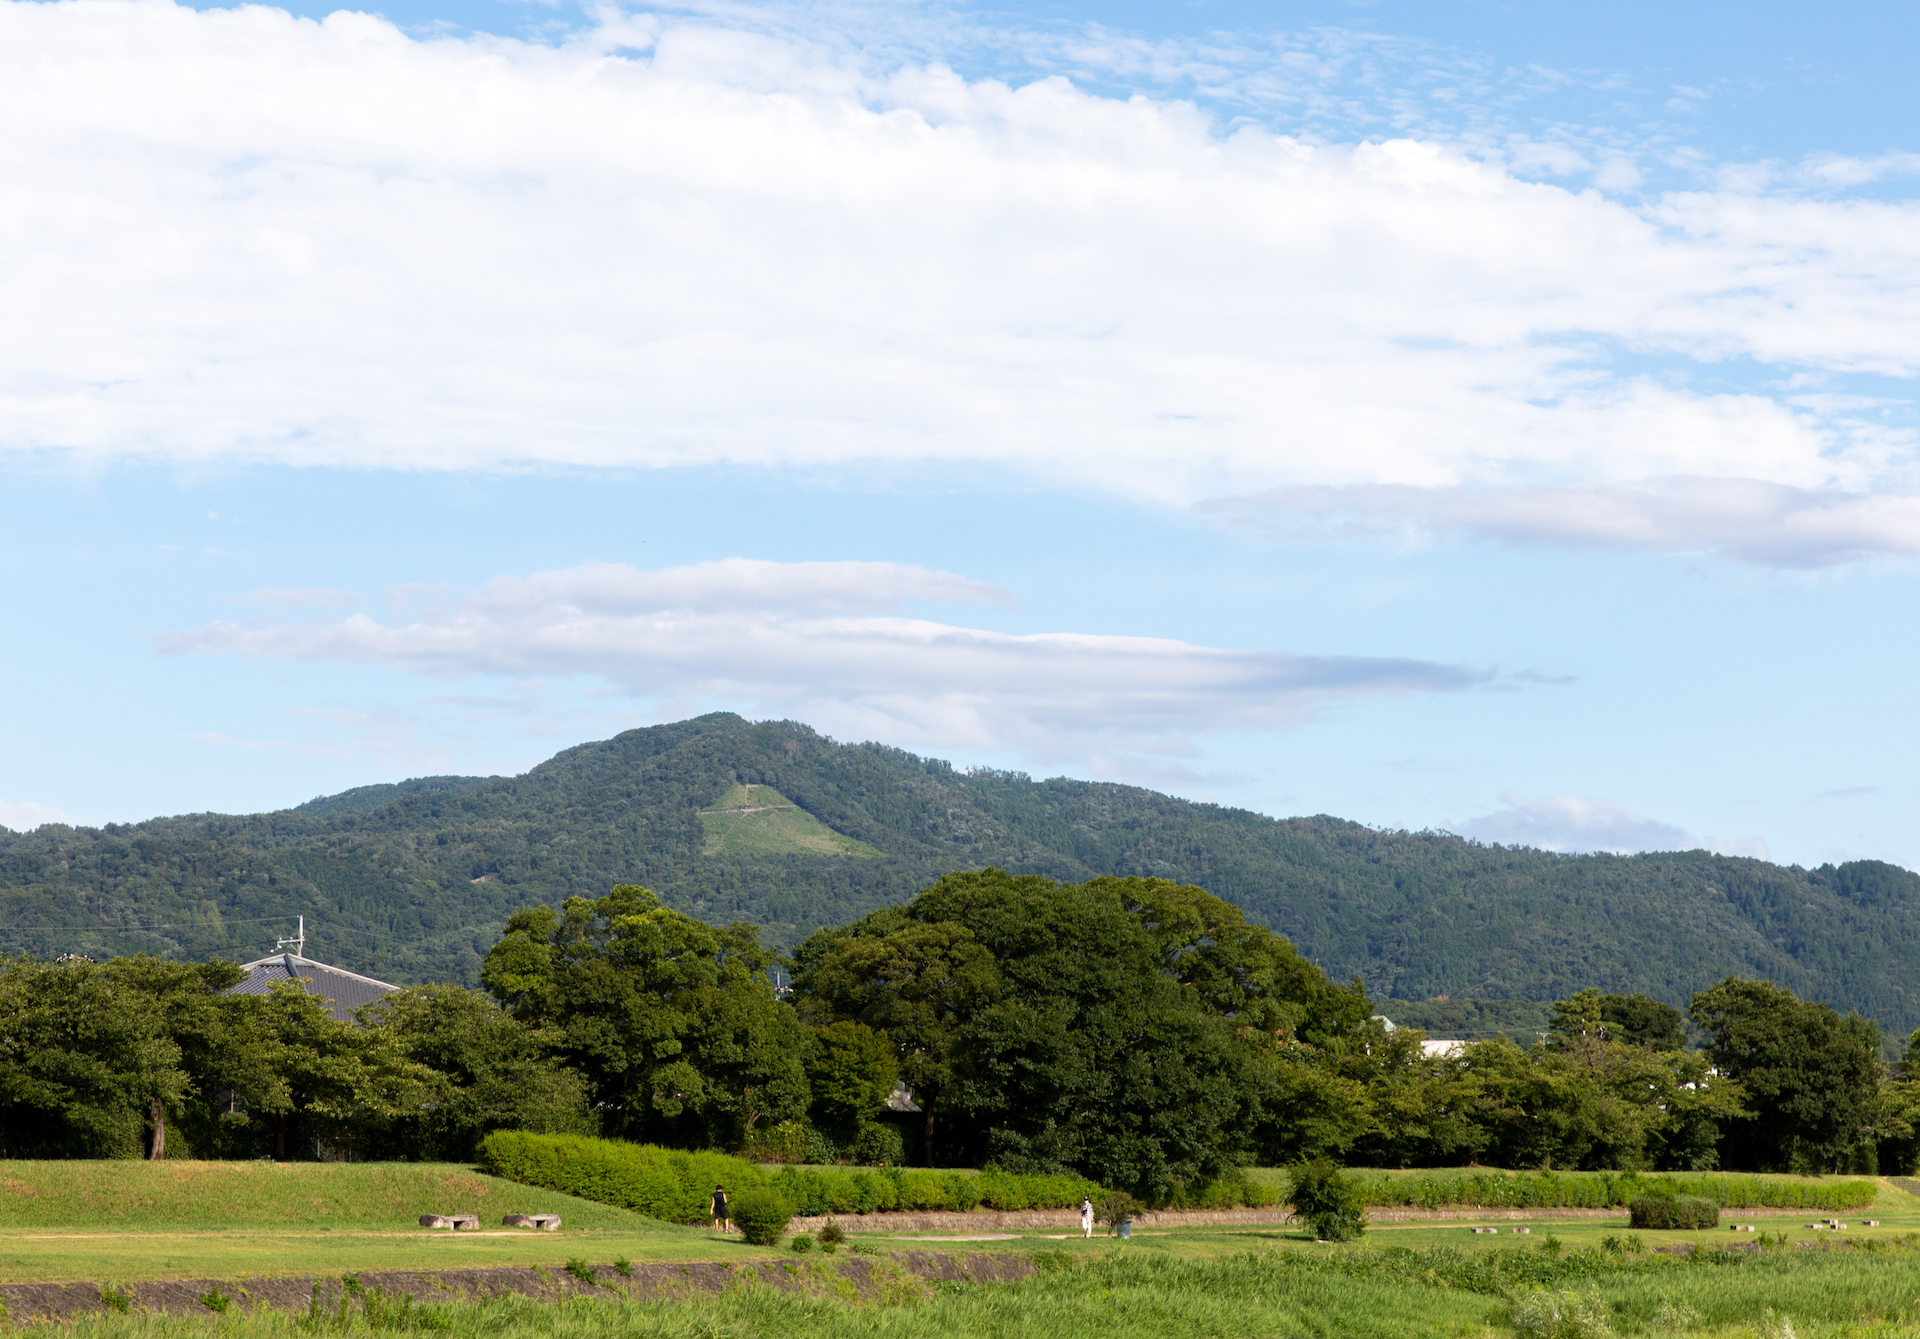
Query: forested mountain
(412,882)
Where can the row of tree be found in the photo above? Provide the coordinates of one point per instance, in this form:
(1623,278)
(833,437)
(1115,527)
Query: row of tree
(1134,1030)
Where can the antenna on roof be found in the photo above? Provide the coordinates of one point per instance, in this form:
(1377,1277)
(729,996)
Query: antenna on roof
(299,941)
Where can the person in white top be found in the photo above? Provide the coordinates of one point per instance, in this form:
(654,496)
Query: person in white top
(1086,1215)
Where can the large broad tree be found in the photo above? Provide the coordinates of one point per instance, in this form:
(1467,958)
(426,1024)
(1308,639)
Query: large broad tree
(673,1023)
(197,1014)
(1134,1029)
(490,1072)
(84,1063)
(1812,1078)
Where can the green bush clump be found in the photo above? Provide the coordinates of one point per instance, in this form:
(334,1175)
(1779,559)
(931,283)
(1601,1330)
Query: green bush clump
(792,1141)
(763,1215)
(801,1244)
(878,1144)
(1684,1212)
(1328,1201)
(1114,1207)
(1560,1315)
(663,1183)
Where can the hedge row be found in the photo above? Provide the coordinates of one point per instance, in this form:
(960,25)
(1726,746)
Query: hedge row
(1684,1211)
(661,1183)
(1611,1190)
(819,1190)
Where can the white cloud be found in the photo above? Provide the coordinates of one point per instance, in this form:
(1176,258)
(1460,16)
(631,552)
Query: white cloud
(1746,519)
(236,234)
(29,814)
(1572,824)
(825,642)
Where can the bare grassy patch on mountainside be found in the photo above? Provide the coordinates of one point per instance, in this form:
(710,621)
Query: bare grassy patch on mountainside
(758,820)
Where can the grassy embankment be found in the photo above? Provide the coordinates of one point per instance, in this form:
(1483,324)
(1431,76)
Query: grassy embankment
(119,1222)
(137,1220)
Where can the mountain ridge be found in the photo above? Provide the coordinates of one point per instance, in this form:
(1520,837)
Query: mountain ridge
(411,880)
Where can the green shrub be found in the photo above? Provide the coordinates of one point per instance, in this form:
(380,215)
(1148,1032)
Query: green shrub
(878,1144)
(815,1147)
(1328,1201)
(1560,1315)
(1686,1212)
(583,1271)
(963,1191)
(785,1142)
(1114,1207)
(664,1183)
(831,1233)
(801,1244)
(215,1300)
(115,1299)
(923,1190)
(763,1216)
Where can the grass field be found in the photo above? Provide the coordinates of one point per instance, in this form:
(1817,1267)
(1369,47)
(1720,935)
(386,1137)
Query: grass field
(1367,1293)
(122,1222)
(61,1221)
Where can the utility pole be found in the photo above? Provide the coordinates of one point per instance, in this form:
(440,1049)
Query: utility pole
(299,941)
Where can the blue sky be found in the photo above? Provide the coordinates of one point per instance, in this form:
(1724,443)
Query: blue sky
(1435,415)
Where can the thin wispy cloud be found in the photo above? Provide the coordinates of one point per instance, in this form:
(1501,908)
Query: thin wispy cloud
(685,240)
(816,641)
(1573,824)
(26,815)
(1744,519)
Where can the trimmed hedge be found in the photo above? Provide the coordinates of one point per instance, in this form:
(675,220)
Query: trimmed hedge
(1683,1211)
(1611,1190)
(674,1185)
(823,1190)
(663,1183)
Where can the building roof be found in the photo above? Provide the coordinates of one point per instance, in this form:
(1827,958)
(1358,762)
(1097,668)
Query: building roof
(344,991)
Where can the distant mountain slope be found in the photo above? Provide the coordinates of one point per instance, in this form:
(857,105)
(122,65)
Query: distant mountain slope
(410,882)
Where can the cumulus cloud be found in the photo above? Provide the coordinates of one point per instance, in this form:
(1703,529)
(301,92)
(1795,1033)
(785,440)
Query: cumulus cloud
(30,814)
(829,643)
(1745,519)
(1572,824)
(666,241)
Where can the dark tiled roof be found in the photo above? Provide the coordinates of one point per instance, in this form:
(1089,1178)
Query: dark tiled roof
(344,991)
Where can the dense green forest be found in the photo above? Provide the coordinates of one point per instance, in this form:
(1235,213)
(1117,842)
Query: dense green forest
(413,882)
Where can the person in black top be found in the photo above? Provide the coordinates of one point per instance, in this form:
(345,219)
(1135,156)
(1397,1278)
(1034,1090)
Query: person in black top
(720,1207)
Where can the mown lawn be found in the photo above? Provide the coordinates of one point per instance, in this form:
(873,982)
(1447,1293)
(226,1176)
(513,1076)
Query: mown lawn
(61,1221)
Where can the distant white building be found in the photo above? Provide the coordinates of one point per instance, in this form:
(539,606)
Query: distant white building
(1431,1048)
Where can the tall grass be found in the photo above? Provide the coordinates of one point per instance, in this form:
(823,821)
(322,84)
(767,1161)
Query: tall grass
(1363,1294)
